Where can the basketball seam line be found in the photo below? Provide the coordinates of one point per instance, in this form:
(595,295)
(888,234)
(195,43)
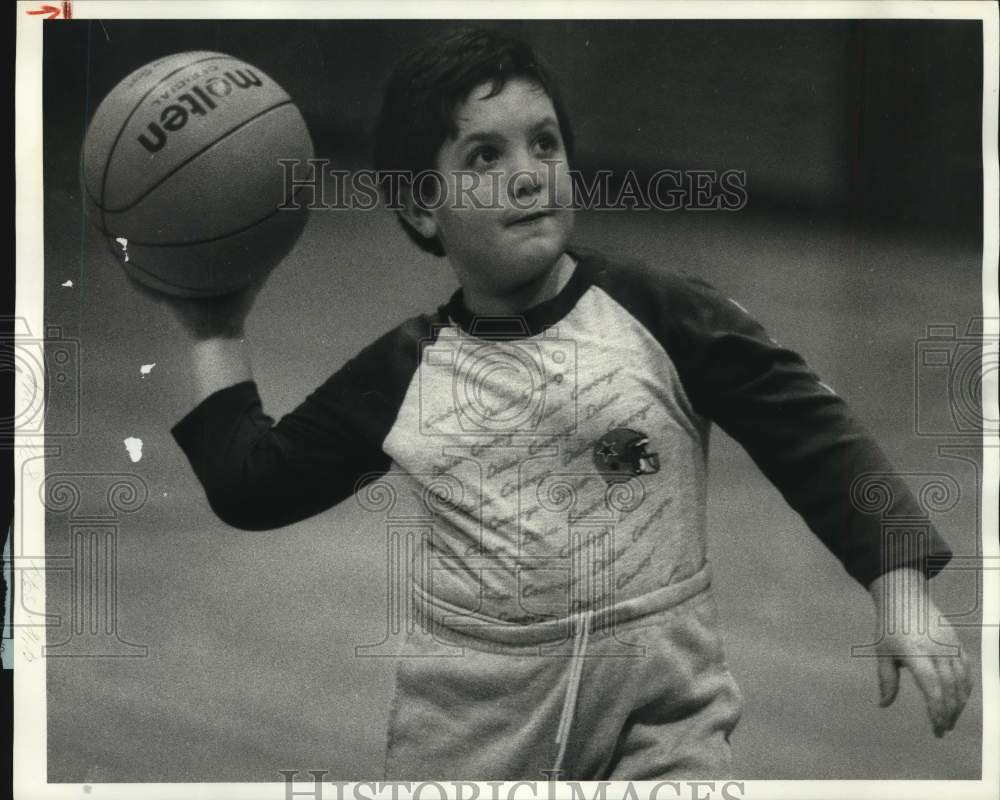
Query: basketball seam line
(136,265)
(118,136)
(191,158)
(202,292)
(219,237)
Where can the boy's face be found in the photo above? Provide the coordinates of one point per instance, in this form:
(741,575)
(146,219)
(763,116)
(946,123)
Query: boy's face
(507,215)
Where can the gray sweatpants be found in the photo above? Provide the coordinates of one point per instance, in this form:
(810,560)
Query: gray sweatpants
(639,691)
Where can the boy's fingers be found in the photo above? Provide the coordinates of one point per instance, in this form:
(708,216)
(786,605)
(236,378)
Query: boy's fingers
(929,682)
(951,691)
(962,686)
(888,680)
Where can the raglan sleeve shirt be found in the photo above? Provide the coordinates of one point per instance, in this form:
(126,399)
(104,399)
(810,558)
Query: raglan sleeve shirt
(260,475)
(798,431)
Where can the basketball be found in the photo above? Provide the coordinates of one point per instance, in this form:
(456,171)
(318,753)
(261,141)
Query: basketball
(181,174)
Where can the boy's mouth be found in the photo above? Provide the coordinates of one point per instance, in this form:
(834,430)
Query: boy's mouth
(527,219)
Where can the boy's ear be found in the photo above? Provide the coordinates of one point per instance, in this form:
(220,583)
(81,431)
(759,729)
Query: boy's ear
(417,216)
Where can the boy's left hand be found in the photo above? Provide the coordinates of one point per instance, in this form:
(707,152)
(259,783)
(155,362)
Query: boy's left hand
(913,636)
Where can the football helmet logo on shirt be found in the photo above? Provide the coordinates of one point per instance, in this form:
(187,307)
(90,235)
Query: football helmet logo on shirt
(621,453)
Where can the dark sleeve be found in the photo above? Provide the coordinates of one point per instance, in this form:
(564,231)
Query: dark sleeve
(797,430)
(259,475)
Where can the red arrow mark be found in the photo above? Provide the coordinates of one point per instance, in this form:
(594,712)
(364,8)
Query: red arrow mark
(51,12)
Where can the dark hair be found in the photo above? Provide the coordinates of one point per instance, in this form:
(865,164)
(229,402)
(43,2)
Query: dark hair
(421,95)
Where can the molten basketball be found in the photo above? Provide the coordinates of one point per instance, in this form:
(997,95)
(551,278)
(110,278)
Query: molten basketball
(181,171)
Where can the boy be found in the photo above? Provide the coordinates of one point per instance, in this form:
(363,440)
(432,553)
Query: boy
(553,419)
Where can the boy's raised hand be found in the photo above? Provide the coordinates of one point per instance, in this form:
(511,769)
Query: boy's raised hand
(214,327)
(911,635)
(204,318)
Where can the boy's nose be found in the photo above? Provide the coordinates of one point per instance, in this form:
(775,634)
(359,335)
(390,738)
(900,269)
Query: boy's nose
(526,181)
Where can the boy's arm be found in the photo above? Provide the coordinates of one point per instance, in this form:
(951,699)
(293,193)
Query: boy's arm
(258,475)
(798,431)
(806,441)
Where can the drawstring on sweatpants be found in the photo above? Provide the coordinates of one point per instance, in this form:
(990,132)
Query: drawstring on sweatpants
(580,638)
(462,626)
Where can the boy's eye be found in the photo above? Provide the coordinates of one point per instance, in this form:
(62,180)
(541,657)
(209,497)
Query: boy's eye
(483,156)
(547,143)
